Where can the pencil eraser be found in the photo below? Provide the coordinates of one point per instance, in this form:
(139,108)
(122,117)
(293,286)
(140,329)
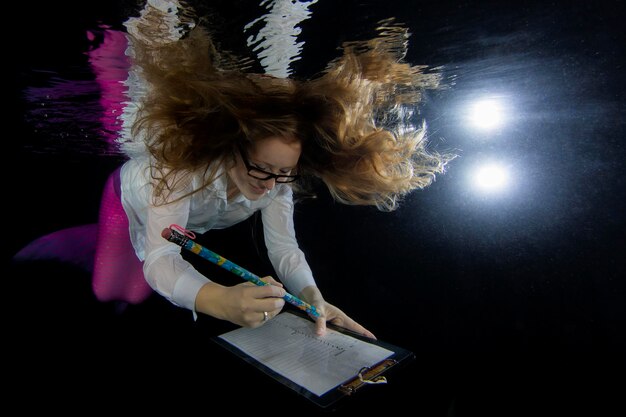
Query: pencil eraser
(166,233)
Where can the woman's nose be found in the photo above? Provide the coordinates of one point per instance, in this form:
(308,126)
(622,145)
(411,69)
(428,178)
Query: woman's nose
(269,183)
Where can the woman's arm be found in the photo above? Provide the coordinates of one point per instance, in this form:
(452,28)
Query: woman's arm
(178,281)
(291,266)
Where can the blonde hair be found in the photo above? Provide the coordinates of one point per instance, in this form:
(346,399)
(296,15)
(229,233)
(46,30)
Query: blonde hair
(202,105)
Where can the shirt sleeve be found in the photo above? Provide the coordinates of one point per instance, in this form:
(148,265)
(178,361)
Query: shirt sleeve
(164,267)
(284,253)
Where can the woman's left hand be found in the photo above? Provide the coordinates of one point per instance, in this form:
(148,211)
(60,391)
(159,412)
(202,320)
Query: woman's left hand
(330,313)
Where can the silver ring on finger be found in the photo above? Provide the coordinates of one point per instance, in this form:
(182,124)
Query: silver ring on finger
(265,316)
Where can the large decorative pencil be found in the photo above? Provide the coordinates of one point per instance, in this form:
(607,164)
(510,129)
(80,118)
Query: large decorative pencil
(185,241)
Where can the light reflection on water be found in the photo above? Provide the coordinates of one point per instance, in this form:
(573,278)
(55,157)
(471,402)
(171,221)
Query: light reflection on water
(75,109)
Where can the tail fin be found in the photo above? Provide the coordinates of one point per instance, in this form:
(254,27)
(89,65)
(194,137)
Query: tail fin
(75,245)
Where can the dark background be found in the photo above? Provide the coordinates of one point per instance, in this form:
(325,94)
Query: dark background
(513,302)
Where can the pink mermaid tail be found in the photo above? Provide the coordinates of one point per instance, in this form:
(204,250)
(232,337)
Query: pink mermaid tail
(104,249)
(117,274)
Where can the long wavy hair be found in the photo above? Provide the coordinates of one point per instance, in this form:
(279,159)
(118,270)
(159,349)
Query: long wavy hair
(202,105)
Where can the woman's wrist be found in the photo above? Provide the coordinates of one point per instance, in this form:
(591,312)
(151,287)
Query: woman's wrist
(208,300)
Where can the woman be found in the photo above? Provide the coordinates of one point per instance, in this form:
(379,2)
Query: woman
(209,144)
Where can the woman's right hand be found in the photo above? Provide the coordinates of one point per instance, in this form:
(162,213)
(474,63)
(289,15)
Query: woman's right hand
(244,304)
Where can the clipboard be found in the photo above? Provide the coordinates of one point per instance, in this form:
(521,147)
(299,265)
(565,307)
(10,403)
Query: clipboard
(374,374)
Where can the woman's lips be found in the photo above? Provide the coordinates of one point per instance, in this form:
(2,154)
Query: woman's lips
(257,190)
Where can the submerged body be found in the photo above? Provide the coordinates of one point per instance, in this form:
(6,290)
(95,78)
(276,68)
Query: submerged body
(209,144)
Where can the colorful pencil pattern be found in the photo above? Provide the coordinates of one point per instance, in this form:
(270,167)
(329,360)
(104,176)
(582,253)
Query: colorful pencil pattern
(180,239)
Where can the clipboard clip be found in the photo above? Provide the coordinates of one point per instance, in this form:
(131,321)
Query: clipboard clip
(368,376)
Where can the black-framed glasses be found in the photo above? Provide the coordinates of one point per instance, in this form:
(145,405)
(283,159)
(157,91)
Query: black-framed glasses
(259,174)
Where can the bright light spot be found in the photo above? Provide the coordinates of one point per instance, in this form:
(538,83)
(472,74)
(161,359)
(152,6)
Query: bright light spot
(491,177)
(487,114)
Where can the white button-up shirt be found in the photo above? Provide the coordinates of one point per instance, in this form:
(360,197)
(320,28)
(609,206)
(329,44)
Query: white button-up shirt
(165,269)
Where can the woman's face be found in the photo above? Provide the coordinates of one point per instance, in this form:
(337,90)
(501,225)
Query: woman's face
(274,154)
